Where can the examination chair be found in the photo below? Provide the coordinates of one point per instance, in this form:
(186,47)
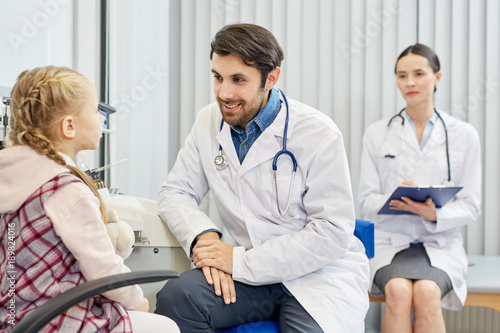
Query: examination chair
(364,230)
(42,315)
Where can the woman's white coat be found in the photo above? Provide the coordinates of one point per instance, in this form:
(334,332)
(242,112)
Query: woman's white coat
(381,175)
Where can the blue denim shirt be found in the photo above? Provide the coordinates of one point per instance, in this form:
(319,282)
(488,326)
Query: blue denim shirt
(243,139)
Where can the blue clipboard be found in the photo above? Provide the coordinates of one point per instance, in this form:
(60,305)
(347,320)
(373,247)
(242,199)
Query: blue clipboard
(440,195)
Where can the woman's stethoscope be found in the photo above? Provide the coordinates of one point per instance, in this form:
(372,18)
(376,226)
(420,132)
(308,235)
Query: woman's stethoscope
(221,163)
(400,115)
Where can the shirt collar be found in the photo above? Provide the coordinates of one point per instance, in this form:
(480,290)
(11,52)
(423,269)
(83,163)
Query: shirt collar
(432,120)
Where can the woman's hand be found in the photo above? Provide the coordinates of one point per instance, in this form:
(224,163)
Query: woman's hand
(425,209)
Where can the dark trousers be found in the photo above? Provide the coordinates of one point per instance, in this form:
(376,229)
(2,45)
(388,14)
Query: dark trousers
(191,302)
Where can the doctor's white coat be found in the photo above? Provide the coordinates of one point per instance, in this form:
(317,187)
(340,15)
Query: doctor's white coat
(381,175)
(315,253)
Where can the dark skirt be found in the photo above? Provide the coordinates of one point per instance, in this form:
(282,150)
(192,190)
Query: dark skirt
(413,264)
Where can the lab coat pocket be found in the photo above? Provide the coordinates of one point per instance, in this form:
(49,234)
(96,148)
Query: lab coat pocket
(288,196)
(390,173)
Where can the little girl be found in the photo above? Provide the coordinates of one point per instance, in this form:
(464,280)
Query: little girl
(52,220)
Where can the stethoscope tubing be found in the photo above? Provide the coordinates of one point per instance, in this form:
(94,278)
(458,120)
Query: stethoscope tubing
(220,160)
(400,115)
(285,132)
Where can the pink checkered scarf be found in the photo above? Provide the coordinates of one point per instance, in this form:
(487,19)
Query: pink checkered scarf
(44,268)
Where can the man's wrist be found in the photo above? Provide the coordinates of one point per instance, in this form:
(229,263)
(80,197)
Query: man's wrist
(208,235)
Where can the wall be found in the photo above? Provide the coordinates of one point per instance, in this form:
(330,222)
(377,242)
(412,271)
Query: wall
(50,32)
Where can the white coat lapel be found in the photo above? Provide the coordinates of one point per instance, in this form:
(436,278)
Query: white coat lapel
(267,144)
(437,138)
(410,137)
(225,140)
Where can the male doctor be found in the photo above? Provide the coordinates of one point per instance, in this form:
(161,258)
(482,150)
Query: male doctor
(295,258)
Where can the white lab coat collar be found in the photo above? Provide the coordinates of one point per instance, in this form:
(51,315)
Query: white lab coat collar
(436,138)
(262,149)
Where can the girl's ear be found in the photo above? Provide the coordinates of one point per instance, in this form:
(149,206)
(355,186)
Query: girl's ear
(68,128)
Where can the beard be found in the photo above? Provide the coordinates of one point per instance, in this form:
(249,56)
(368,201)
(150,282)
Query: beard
(245,110)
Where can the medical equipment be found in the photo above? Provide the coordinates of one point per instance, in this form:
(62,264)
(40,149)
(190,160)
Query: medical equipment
(4,120)
(220,160)
(221,163)
(448,181)
(155,246)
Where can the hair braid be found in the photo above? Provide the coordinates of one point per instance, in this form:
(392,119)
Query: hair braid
(40,99)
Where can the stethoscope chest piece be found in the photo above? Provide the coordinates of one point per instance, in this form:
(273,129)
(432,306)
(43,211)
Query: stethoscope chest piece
(220,161)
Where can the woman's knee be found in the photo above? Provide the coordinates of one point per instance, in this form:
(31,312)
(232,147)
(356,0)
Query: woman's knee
(426,293)
(399,293)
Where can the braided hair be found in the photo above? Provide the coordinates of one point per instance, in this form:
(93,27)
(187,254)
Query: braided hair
(40,99)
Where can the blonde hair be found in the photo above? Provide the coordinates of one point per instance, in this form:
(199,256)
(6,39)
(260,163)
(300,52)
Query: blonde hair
(40,99)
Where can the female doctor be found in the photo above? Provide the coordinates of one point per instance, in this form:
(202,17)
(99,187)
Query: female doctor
(420,259)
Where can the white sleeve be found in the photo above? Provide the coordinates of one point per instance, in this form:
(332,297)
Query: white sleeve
(74,212)
(180,195)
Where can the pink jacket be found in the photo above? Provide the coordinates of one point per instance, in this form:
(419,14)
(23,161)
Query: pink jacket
(73,211)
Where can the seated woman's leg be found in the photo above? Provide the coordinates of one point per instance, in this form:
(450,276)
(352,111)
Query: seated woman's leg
(398,303)
(427,307)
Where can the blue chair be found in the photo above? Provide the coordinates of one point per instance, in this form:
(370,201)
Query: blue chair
(257,327)
(364,230)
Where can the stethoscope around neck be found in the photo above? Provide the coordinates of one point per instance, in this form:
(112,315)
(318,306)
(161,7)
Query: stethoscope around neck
(447,181)
(220,162)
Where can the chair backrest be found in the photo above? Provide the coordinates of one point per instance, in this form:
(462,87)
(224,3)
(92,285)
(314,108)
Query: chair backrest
(365,231)
(42,315)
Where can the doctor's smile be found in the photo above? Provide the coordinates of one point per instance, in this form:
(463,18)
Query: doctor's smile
(230,106)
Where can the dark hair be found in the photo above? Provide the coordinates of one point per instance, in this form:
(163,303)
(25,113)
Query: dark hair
(255,45)
(424,51)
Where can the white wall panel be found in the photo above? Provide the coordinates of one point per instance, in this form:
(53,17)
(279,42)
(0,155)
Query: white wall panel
(442,46)
(326,57)
(139,82)
(465,36)
(475,101)
(293,79)
(389,50)
(34,34)
(490,89)
(459,58)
